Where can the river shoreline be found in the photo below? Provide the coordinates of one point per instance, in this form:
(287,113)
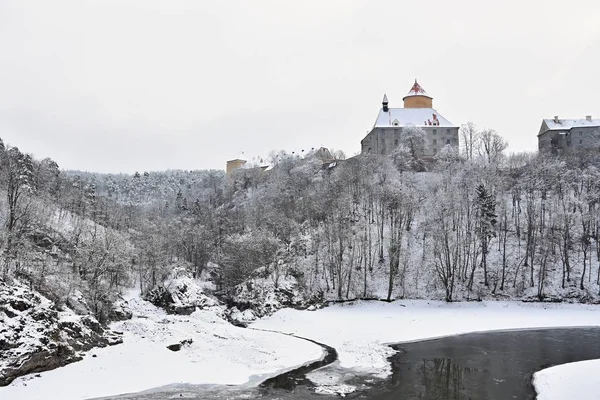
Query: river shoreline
(359,332)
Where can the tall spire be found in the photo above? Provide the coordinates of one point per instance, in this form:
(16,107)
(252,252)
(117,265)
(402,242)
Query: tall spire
(384,103)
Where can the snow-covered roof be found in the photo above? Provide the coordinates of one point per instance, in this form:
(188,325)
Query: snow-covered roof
(589,123)
(567,124)
(411,116)
(417,90)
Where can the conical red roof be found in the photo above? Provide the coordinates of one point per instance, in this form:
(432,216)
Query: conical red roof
(417,90)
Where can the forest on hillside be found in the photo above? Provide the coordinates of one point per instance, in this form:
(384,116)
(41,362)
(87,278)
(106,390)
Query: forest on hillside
(473,225)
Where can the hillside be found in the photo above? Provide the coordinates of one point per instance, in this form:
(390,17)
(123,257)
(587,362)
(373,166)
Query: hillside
(297,235)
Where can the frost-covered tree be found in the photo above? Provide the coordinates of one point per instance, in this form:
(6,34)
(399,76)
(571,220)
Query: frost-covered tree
(486,223)
(17,176)
(244,254)
(411,148)
(469,139)
(491,145)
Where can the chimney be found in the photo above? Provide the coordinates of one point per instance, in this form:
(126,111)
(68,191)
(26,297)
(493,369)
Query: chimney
(588,117)
(556,119)
(385,103)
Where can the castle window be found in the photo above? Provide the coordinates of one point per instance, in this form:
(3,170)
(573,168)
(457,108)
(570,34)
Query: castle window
(447,141)
(448,131)
(580,141)
(396,142)
(435,131)
(434,141)
(434,151)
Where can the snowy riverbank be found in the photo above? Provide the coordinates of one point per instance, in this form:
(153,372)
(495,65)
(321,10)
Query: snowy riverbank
(223,354)
(360,332)
(568,381)
(220,353)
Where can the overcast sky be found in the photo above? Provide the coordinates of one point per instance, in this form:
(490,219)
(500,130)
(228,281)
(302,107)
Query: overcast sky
(123,86)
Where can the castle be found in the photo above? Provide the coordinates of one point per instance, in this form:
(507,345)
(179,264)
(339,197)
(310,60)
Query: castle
(418,111)
(562,135)
(385,135)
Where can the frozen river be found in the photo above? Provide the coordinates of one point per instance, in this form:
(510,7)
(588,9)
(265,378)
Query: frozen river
(487,365)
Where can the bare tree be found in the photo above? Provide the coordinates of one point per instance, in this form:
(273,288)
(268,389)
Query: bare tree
(469,137)
(491,145)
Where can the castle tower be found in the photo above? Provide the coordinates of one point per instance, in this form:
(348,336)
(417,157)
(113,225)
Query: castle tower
(232,165)
(417,97)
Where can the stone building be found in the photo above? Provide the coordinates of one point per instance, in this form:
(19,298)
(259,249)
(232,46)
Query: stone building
(233,165)
(561,135)
(418,111)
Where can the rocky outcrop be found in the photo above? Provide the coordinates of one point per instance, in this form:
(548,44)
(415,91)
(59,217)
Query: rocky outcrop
(120,311)
(263,297)
(180,294)
(35,336)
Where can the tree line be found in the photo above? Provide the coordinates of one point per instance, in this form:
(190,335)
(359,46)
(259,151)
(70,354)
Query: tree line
(468,225)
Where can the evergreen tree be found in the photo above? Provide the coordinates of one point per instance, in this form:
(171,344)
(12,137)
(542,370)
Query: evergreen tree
(487,218)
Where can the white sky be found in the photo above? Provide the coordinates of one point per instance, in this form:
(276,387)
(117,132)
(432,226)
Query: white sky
(122,85)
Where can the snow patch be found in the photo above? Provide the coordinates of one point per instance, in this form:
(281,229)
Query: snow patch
(568,381)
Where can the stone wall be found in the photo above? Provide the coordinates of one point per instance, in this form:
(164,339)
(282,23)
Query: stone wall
(384,140)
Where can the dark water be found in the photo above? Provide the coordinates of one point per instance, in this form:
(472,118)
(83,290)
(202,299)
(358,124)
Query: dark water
(489,365)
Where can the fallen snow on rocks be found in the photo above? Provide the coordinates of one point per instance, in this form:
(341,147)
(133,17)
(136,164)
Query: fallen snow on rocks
(215,352)
(36,336)
(180,294)
(264,297)
(568,381)
(360,331)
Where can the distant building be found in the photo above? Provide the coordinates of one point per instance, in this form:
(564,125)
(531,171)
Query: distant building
(234,164)
(560,135)
(418,111)
(322,154)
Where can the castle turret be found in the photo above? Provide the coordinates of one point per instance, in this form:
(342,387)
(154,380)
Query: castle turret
(417,97)
(384,103)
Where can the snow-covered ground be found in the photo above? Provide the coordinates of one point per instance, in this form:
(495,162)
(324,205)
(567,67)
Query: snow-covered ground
(359,332)
(220,353)
(568,381)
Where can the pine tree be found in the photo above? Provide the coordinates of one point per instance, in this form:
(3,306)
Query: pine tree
(179,202)
(487,219)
